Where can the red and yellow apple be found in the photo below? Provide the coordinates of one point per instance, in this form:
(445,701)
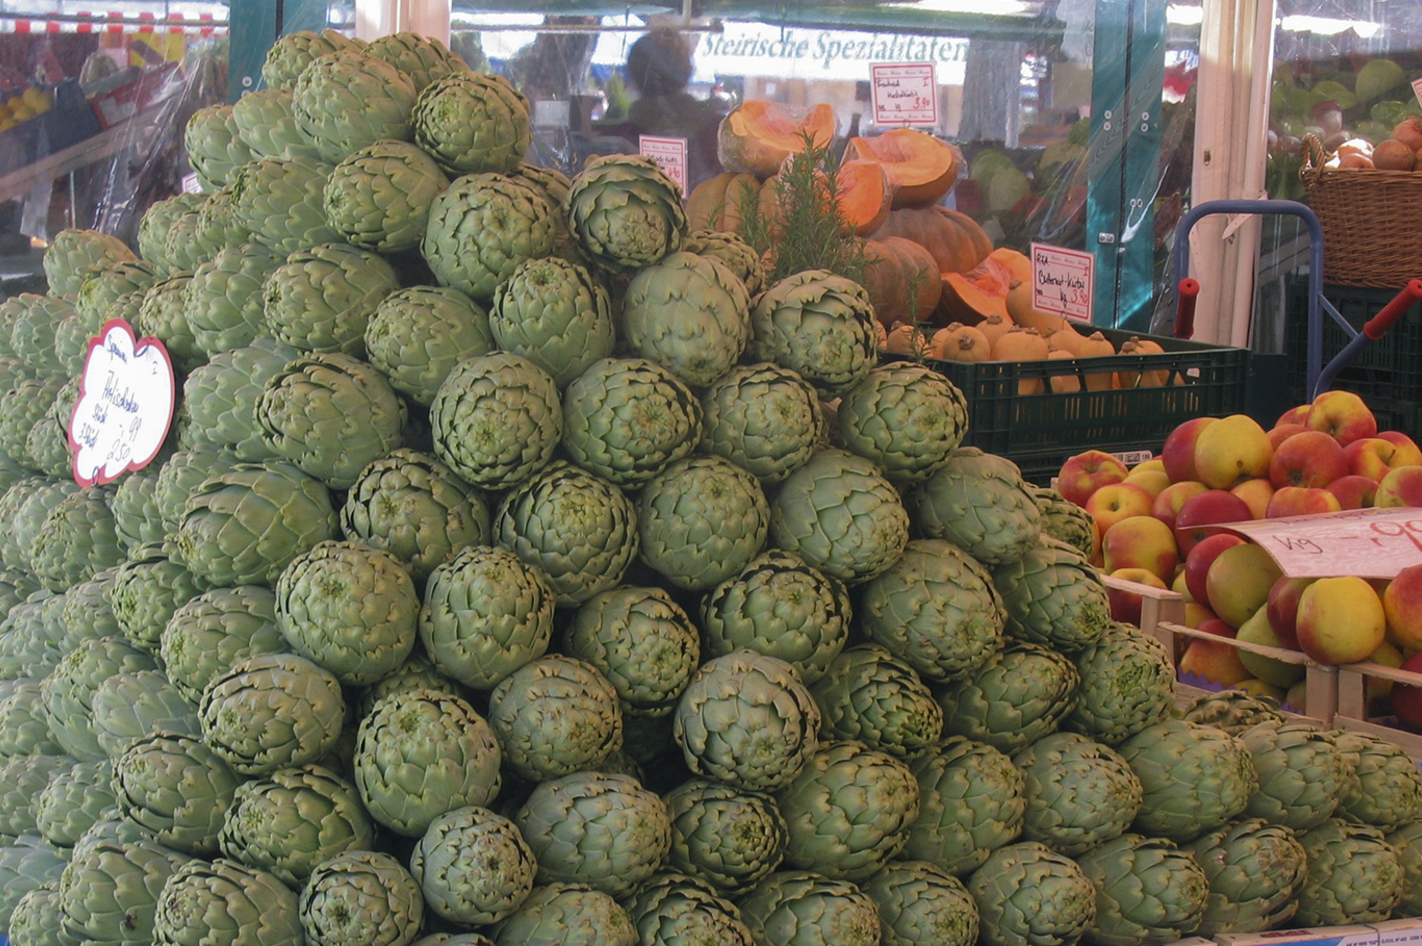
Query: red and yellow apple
(1340,620)
(1411,452)
(1272,670)
(1177,455)
(1237,582)
(1125,602)
(1353,492)
(1376,457)
(1282,432)
(1116,501)
(1201,515)
(1402,606)
(1167,504)
(1343,416)
(1256,494)
(1301,501)
(1230,451)
(1082,474)
(1309,458)
(1294,415)
(1199,559)
(1152,481)
(1401,487)
(1282,609)
(1140,542)
(1214,662)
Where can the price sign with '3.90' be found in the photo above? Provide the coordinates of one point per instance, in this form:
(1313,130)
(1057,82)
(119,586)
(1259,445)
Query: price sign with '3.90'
(904,94)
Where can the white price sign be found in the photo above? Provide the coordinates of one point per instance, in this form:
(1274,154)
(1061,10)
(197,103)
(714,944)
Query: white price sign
(125,405)
(904,94)
(1062,281)
(670,155)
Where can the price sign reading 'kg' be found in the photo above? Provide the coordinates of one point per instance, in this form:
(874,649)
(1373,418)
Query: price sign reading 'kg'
(125,405)
(1369,543)
(670,155)
(905,94)
(1062,281)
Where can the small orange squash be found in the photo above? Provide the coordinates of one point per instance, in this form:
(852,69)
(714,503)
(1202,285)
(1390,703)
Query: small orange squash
(1022,344)
(1063,383)
(906,339)
(716,203)
(921,168)
(954,239)
(959,342)
(1097,345)
(1135,345)
(757,136)
(994,327)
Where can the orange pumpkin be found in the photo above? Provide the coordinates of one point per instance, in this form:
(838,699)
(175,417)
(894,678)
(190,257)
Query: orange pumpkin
(757,136)
(976,294)
(1063,383)
(901,279)
(1097,345)
(1135,345)
(864,195)
(717,202)
(954,239)
(994,327)
(921,168)
(1022,344)
(906,339)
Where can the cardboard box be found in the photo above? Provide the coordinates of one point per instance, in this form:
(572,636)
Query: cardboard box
(1357,935)
(1405,932)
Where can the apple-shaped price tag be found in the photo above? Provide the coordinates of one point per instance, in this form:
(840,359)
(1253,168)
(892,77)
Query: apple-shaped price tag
(125,405)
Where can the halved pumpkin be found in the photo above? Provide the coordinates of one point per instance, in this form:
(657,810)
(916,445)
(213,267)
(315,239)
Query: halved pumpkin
(758,135)
(901,279)
(954,239)
(864,195)
(716,203)
(921,168)
(973,296)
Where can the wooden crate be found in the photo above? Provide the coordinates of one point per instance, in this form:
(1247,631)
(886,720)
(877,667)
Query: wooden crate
(1353,703)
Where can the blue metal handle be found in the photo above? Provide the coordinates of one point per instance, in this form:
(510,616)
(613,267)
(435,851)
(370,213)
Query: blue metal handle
(1316,302)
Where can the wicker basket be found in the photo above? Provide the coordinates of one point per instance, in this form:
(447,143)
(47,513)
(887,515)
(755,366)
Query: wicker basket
(1372,221)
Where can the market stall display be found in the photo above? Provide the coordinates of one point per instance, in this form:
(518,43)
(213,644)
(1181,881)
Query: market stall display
(474,599)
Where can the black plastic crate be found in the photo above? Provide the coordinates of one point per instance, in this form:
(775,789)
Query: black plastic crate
(1387,373)
(1039,431)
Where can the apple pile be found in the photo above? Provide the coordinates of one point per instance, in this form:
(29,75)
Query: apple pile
(1159,524)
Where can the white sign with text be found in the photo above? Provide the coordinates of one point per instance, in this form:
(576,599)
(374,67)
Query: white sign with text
(904,93)
(1062,281)
(125,405)
(670,155)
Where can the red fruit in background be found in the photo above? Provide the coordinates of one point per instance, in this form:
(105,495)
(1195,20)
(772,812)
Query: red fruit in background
(1278,434)
(1167,504)
(1197,563)
(1125,604)
(1199,516)
(1282,609)
(1178,451)
(1309,458)
(1353,492)
(1406,698)
(1301,501)
(1294,415)
(1343,416)
(1082,474)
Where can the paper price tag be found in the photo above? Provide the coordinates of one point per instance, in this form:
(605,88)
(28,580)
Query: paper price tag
(1062,281)
(125,405)
(670,155)
(1368,543)
(904,94)
(1417,90)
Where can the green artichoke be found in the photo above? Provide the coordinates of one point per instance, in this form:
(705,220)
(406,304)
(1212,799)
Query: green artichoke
(1232,710)
(350,608)
(176,787)
(1065,521)
(1127,684)
(674,908)
(347,100)
(75,253)
(24,730)
(418,336)
(420,753)
(473,123)
(293,819)
(555,716)
(1079,793)
(1019,696)
(605,831)
(214,630)
(980,503)
(321,299)
(555,314)
(566,915)
(700,521)
(907,418)
(481,228)
(1147,891)
(217,229)
(840,515)
(625,212)
(221,398)
(379,197)
(129,707)
(36,918)
(224,298)
(1027,893)
(68,691)
(971,802)
(641,641)
(289,56)
(1302,773)
(732,250)
(848,810)
(280,201)
(763,418)
(747,720)
(800,908)
(147,588)
(423,59)
(181,475)
(266,124)
(330,415)
(496,420)
(107,289)
(936,609)
(1194,778)
(819,325)
(224,902)
(1354,875)
(214,145)
(242,527)
(473,866)
(579,530)
(1054,597)
(270,711)
(73,800)
(728,837)
(22,780)
(32,333)
(364,897)
(21,407)
(919,903)
(485,614)
(1387,790)
(626,419)
(689,314)
(868,694)
(86,614)
(1254,869)
(27,864)
(109,891)
(1406,842)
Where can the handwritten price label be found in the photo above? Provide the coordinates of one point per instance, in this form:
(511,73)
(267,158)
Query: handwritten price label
(1368,543)
(670,155)
(125,405)
(1062,281)
(904,94)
